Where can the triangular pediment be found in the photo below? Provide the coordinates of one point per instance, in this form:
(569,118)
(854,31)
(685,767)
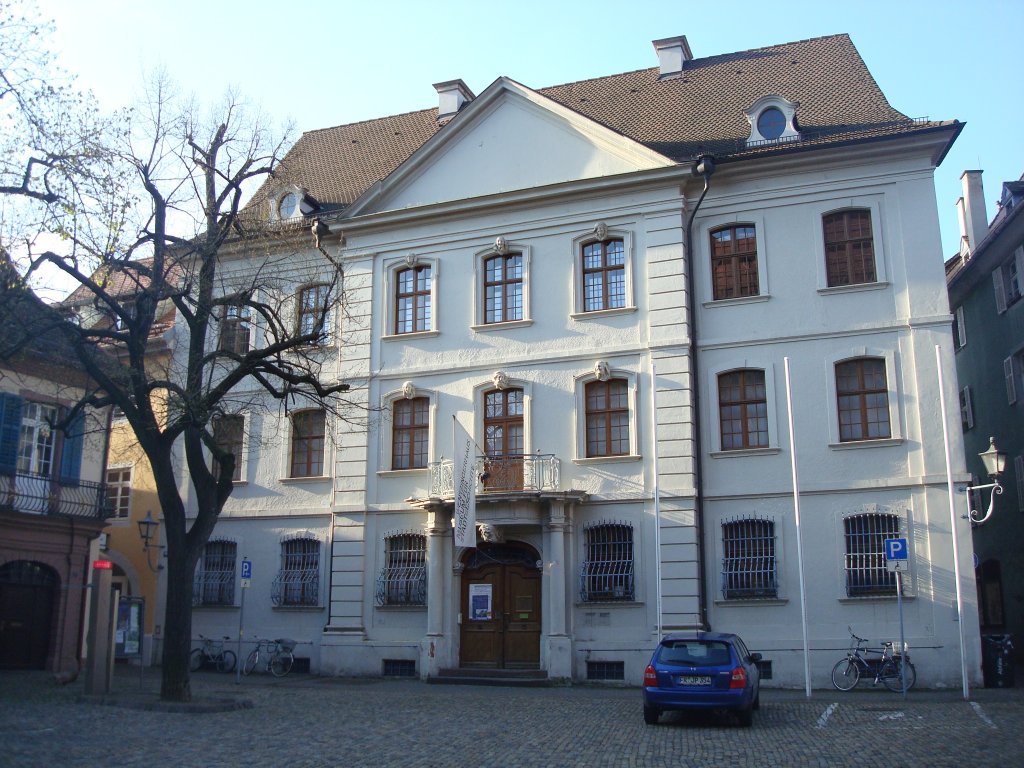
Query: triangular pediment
(509,138)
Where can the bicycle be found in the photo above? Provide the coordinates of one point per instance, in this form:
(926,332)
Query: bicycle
(886,668)
(214,653)
(278,654)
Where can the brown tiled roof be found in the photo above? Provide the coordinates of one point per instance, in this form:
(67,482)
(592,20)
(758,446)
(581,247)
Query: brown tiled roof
(701,110)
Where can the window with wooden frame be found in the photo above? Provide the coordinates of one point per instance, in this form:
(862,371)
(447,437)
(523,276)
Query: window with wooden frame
(604,275)
(966,409)
(959,329)
(1008,280)
(503,288)
(214,582)
(234,329)
(749,567)
(606,574)
(308,443)
(412,299)
(229,435)
(743,409)
(410,433)
(863,399)
(866,571)
(607,418)
(314,315)
(734,262)
(119,492)
(849,247)
(403,579)
(298,581)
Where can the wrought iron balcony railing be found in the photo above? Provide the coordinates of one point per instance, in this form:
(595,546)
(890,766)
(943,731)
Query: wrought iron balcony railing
(42,495)
(512,473)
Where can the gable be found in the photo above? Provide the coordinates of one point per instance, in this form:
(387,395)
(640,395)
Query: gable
(509,139)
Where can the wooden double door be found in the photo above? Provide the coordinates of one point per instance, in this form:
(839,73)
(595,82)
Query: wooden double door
(501,608)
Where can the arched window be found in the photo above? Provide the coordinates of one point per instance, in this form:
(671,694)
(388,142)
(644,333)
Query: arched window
(214,582)
(403,579)
(748,559)
(607,570)
(849,247)
(734,262)
(298,581)
(607,415)
(862,393)
(743,409)
(866,572)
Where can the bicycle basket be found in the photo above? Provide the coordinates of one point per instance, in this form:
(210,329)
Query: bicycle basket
(286,644)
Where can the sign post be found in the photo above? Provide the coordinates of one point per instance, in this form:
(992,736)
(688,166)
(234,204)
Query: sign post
(897,560)
(246,578)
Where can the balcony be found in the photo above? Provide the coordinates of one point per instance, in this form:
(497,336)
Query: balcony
(513,473)
(42,495)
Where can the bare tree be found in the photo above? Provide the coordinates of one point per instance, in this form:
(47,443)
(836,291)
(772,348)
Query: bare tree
(146,227)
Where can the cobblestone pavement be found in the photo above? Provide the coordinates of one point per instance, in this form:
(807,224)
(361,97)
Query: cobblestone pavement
(310,721)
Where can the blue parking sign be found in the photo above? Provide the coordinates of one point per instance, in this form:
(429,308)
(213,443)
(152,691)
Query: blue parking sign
(247,569)
(896,549)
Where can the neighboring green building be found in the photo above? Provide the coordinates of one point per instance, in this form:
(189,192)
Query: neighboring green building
(986,284)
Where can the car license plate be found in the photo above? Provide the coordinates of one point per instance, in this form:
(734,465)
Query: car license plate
(695,680)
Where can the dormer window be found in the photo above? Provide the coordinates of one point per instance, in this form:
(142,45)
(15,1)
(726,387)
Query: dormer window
(288,206)
(772,119)
(291,202)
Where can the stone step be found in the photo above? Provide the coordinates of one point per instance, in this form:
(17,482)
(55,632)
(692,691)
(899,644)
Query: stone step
(506,677)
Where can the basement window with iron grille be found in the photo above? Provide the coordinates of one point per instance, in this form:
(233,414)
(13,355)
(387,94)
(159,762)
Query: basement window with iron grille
(606,670)
(607,571)
(866,572)
(748,564)
(399,668)
(298,582)
(403,579)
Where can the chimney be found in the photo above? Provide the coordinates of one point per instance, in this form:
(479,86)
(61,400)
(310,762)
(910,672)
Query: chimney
(974,223)
(673,52)
(961,217)
(451,96)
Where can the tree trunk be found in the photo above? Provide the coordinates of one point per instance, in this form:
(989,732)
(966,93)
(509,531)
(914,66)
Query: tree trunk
(176,684)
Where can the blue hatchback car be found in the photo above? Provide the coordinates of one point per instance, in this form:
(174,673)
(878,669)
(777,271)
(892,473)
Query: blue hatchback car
(702,670)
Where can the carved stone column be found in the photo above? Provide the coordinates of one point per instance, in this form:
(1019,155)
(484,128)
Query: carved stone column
(434,649)
(559,651)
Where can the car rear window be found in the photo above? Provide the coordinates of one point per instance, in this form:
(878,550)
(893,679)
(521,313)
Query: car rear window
(696,653)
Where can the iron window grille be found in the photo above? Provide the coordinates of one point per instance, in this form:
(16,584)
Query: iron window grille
(503,288)
(214,582)
(849,247)
(607,572)
(604,275)
(863,400)
(866,572)
(734,262)
(298,581)
(119,492)
(743,409)
(749,566)
(606,670)
(403,579)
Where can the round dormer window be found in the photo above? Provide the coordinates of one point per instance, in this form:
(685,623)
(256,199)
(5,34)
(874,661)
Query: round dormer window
(288,206)
(771,123)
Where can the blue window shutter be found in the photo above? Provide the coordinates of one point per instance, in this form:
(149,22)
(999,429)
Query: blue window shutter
(71,458)
(10,432)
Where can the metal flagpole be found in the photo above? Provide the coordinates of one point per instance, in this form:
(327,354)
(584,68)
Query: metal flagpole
(657,490)
(799,534)
(952,520)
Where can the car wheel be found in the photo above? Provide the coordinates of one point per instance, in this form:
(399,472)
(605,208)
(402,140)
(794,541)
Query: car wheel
(746,717)
(651,715)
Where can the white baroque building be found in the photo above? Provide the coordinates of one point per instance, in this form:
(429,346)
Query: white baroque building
(602,283)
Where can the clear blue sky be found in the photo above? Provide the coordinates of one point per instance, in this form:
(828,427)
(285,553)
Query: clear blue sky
(323,63)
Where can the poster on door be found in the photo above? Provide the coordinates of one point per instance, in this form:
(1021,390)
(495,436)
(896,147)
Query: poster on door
(480,601)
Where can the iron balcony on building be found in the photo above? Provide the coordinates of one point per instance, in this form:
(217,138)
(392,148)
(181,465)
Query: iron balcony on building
(43,495)
(512,473)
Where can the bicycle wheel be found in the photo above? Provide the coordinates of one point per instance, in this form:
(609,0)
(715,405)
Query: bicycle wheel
(250,662)
(845,674)
(226,661)
(890,675)
(196,659)
(281,664)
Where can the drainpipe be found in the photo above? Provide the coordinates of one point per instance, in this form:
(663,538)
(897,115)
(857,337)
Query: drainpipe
(704,166)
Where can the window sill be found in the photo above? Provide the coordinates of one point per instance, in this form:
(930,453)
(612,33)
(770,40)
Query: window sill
(866,598)
(401,608)
(215,607)
(607,459)
(311,479)
(752,601)
(411,335)
(855,444)
(853,288)
(745,452)
(402,472)
(597,314)
(610,604)
(297,608)
(502,326)
(738,300)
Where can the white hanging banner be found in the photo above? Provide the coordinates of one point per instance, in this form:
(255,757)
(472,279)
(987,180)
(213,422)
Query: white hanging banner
(465,487)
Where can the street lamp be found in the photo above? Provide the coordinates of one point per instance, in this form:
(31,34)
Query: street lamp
(995,463)
(147,530)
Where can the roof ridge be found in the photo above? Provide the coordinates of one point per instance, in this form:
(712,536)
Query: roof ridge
(370,120)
